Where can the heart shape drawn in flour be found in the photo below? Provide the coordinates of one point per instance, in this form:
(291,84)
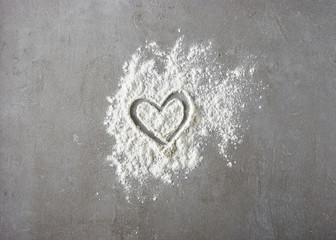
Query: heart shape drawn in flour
(183,97)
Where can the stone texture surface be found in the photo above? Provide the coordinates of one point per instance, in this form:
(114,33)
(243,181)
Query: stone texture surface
(59,61)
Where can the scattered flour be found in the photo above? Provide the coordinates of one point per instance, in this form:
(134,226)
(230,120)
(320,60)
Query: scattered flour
(216,97)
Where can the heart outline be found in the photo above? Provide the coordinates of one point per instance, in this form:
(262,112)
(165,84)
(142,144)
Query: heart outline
(182,96)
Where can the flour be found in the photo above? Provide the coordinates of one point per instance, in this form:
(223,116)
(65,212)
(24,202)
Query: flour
(215,97)
(162,124)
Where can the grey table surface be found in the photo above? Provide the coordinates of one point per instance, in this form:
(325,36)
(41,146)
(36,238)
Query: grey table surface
(59,61)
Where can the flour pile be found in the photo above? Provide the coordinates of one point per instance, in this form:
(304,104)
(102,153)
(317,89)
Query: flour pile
(216,101)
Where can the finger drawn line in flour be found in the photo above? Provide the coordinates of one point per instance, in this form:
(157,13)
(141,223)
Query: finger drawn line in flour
(187,115)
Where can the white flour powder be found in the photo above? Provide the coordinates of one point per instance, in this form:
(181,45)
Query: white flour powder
(215,97)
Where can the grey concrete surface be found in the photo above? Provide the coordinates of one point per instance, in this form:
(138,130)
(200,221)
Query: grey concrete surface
(60,59)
